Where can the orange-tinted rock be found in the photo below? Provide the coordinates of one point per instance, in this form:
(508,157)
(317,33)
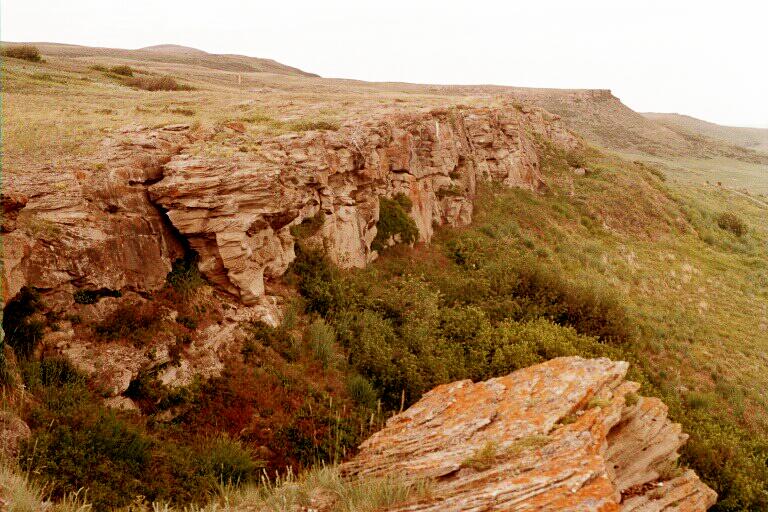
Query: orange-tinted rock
(556,436)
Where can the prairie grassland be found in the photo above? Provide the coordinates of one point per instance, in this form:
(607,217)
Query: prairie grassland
(60,110)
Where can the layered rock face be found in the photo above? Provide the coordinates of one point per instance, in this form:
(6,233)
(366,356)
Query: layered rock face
(568,434)
(91,225)
(237,212)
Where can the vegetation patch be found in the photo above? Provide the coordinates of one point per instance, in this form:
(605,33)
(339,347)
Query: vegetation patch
(484,458)
(157,83)
(395,223)
(305,125)
(25,52)
(185,277)
(733,223)
(122,70)
(524,444)
(308,226)
(138,323)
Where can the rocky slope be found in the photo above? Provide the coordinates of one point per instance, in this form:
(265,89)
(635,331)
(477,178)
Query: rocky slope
(114,226)
(568,434)
(119,222)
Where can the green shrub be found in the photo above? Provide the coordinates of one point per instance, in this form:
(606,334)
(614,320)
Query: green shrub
(156,83)
(322,341)
(122,70)
(185,276)
(25,52)
(395,221)
(93,450)
(532,290)
(228,461)
(319,283)
(22,328)
(362,391)
(733,223)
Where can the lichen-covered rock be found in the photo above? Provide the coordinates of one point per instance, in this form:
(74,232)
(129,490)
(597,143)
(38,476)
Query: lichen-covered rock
(237,212)
(561,435)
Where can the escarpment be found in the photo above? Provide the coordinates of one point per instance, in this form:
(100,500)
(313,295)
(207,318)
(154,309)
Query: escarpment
(237,212)
(90,225)
(568,434)
(119,221)
(96,236)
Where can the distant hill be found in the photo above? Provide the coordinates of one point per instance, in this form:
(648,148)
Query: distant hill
(603,118)
(174,54)
(752,138)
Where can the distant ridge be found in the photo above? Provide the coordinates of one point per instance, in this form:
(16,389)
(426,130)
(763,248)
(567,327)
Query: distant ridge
(173,48)
(752,138)
(172,54)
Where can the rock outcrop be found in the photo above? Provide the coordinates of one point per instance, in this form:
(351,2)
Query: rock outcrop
(568,434)
(91,226)
(102,224)
(237,212)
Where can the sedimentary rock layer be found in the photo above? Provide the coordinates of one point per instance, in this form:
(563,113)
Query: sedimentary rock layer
(91,225)
(119,220)
(562,435)
(237,212)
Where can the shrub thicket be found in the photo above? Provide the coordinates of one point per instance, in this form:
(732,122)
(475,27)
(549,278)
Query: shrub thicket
(395,222)
(157,83)
(733,223)
(122,70)
(25,52)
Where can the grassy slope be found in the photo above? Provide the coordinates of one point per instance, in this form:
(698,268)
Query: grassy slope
(753,138)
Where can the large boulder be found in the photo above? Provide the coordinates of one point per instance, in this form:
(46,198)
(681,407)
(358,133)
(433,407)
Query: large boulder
(568,434)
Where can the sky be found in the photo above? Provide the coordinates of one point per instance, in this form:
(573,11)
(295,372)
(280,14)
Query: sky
(699,57)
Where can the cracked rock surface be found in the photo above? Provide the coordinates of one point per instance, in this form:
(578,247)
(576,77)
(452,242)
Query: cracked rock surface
(560,435)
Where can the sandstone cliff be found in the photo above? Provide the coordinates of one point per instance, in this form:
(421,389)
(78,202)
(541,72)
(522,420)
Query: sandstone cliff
(568,434)
(115,225)
(119,222)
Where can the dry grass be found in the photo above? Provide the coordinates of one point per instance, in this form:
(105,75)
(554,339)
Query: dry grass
(322,488)
(19,494)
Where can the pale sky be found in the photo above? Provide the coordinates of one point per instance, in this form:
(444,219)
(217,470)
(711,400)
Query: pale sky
(708,59)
